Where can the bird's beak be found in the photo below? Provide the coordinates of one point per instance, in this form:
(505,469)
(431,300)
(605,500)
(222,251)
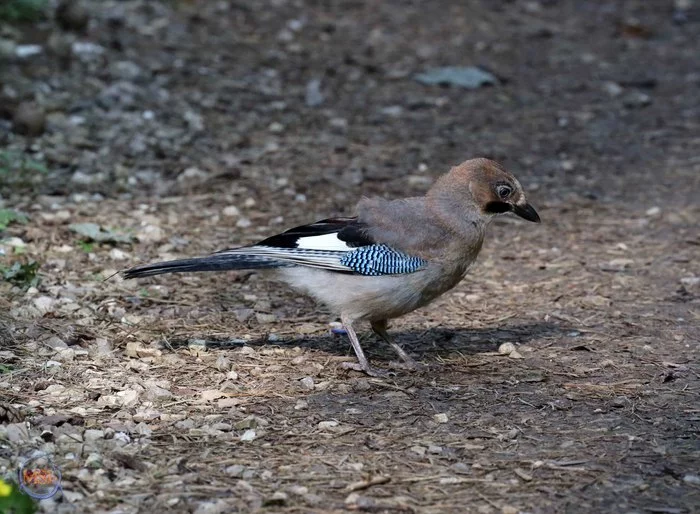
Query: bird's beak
(527,212)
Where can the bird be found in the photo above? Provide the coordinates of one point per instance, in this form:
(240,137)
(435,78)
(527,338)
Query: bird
(391,258)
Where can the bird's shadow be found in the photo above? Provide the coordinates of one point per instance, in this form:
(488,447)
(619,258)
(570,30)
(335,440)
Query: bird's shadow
(435,341)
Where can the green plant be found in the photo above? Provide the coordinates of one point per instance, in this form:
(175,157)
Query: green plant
(21,275)
(13,500)
(18,169)
(8,216)
(86,247)
(16,161)
(22,10)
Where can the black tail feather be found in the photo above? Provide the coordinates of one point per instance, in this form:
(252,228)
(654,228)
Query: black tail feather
(211,263)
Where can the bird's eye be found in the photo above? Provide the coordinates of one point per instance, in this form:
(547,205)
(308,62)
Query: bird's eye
(504,191)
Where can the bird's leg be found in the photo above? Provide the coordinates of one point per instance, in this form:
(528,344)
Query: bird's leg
(362,364)
(379,328)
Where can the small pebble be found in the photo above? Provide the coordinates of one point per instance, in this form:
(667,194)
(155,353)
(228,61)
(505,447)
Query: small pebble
(506,348)
(299,490)
(231,211)
(339,124)
(222,363)
(618,402)
(24,51)
(118,255)
(44,304)
(244,223)
(613,88)
(690,281)
(264,318)
(276,127)
(93,461)
(314,97)
(307,383)
(636,99)
(14,242)
(235,470)
(248,435)
(441,418)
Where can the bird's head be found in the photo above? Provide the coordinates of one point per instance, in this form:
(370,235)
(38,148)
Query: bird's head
(487,186)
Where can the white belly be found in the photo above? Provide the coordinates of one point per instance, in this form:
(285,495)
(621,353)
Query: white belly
(374,298)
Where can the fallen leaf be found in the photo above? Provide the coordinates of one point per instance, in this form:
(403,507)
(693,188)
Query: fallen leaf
(94,232)
(468,77)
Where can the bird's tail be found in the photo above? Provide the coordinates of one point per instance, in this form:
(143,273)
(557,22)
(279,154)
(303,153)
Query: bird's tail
(211,263)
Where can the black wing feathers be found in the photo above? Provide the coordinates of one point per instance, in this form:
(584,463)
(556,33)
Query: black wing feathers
(210,263)
(355,235)
(271,253)
(348,229)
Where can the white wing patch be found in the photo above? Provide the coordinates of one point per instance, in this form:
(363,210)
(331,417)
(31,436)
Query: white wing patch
(328,242)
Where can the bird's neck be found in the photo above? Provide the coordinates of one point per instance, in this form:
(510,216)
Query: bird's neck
(457,216)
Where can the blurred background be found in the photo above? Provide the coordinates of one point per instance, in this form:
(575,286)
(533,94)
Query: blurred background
(324,99)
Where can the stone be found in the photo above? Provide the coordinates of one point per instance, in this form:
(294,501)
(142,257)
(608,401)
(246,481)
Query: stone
(441,417)
(307,383)
(17,432)
(248,435)
(314,97)
(93,461)
(29,119)
(44,304)
(91,435)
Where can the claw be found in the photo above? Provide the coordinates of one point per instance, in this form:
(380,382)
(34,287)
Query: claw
(369,370)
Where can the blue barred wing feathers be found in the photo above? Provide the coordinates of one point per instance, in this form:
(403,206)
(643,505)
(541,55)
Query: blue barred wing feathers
(379,259)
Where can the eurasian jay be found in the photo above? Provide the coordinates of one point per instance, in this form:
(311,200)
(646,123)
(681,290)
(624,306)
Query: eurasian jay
(392,258)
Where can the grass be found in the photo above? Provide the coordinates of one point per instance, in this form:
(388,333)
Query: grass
(22,10)
(15,161)
(86,246)
(17,170)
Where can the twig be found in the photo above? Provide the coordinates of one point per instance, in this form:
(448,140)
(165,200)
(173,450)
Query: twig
(366,484)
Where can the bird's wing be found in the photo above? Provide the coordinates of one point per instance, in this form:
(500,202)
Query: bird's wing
(335,234)
(334,244)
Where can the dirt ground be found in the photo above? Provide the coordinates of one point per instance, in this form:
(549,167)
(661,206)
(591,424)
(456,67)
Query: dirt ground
(196,126)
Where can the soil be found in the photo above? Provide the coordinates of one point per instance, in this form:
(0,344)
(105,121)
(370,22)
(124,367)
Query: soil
(196,126)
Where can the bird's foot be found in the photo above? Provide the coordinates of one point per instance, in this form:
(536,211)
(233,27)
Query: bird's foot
(369,370)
